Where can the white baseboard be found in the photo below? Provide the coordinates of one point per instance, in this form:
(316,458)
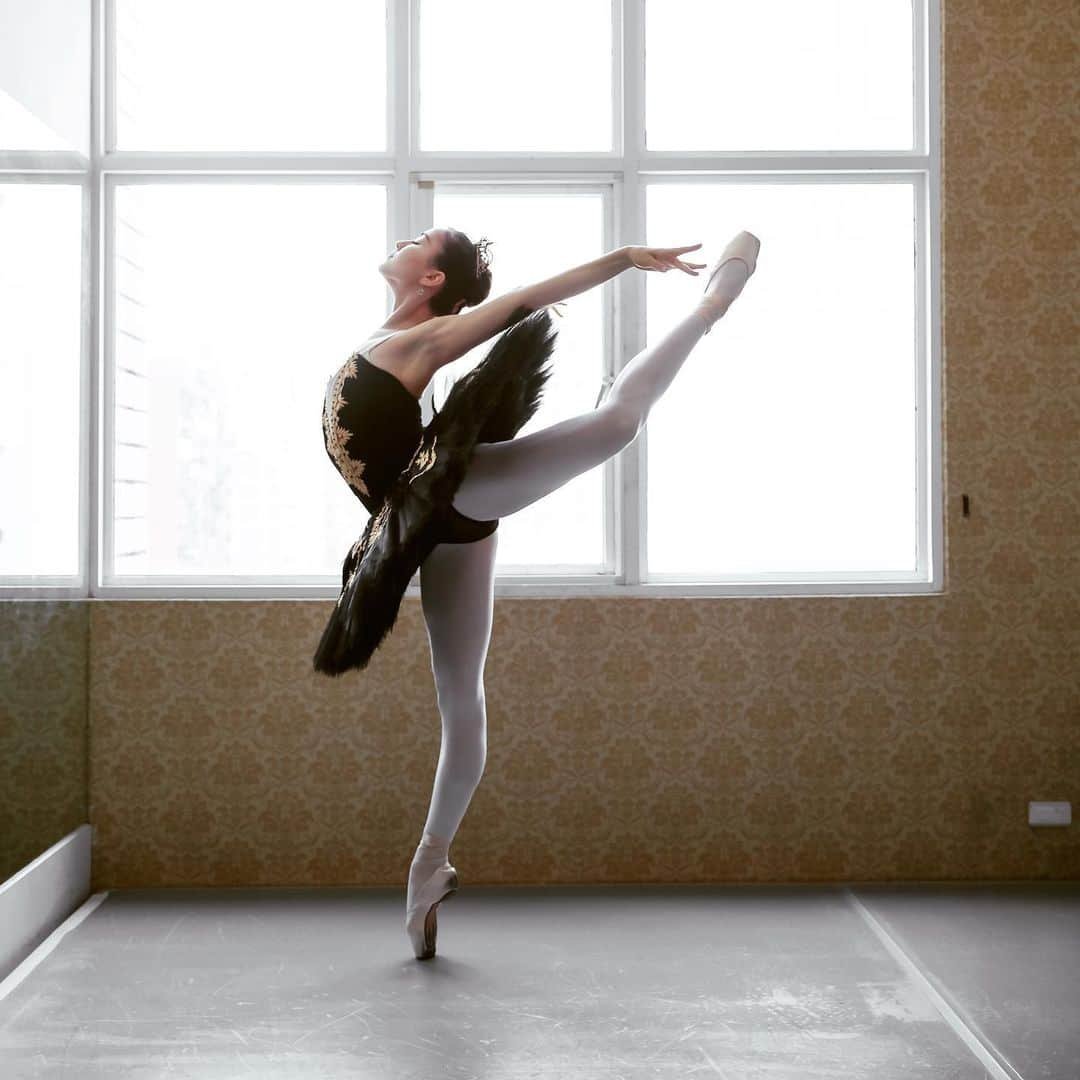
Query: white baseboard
(37,899)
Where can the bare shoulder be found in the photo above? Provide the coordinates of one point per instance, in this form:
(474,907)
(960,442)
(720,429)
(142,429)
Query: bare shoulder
(415,354)
(408,355)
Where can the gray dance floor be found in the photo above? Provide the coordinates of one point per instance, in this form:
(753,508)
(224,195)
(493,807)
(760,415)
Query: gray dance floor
(729,982)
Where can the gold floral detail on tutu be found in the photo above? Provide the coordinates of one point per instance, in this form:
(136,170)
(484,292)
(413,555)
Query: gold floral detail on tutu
(379,523)
(423,458)
(363,545)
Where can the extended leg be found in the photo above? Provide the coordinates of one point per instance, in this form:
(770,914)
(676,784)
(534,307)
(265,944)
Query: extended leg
(504,477)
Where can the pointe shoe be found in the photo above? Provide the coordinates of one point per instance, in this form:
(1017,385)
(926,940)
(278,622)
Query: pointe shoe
(744,246)
(420,921)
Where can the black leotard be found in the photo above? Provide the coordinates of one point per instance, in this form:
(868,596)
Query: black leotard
(374,438)
(371,427)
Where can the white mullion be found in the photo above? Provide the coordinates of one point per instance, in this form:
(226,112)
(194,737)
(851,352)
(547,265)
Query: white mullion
(559,582)
(611,517)
(630,508)
(400,45)
(421,216)
(817,177)
(922,489)
(418,193)
(107,407)
(26,164)
(105,79)
(104,403)
(920,49)
(90,516)
(406,154)
(87,356)
(773,163)
(414,199)
(930,290)
(648,164)
(611,338)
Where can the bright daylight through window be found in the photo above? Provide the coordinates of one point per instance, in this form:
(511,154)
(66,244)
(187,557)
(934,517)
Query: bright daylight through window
(180,281)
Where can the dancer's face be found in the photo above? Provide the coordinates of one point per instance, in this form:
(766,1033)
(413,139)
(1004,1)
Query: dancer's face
(412,264)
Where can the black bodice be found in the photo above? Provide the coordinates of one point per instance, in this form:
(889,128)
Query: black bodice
(371,427)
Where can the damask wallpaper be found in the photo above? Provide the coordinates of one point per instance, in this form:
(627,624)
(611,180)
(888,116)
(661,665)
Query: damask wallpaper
(43,734)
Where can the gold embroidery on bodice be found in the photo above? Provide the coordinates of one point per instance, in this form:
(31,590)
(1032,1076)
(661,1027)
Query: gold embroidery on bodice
(352,469)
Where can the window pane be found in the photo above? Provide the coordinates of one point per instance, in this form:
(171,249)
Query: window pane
(20,129)
(45,76)
(535,236)
(251,75)
(235,304)
(489,81)
(787,441)
(40,333)
(779,75)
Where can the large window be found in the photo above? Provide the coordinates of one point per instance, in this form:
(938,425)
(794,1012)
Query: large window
(175,294)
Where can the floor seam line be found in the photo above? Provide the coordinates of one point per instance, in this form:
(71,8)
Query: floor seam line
(963,1027)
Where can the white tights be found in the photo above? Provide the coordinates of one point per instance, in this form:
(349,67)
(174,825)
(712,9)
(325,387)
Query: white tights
(457,580)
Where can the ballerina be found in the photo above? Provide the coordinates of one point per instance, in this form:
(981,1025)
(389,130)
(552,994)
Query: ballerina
(436,494)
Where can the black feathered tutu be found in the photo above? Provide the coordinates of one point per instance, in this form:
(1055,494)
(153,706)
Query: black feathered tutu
(490,403)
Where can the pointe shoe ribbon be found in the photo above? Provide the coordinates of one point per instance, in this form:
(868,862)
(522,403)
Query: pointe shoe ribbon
(420,919)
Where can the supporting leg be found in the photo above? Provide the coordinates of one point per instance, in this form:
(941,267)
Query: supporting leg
(457,590)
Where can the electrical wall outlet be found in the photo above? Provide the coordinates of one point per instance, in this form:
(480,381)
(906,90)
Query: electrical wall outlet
(1049,813)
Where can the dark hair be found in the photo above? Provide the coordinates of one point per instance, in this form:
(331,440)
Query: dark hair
(468,276)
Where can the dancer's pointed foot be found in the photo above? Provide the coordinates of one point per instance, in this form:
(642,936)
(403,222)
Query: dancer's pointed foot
(420,916)
(733,269)
(431,880)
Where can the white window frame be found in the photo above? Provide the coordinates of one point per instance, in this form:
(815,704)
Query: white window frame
(409,176)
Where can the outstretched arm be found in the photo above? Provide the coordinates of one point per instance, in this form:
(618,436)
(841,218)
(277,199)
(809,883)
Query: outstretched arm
(452,336)
(578,280)
(607,266)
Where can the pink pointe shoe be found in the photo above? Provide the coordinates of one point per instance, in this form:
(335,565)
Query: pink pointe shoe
(420,919)
(745,247)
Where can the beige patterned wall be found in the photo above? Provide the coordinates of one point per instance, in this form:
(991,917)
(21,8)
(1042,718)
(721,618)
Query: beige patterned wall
(809,739)
(43,706)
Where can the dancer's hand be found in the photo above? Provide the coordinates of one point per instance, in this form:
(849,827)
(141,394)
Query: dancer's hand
(663,259)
